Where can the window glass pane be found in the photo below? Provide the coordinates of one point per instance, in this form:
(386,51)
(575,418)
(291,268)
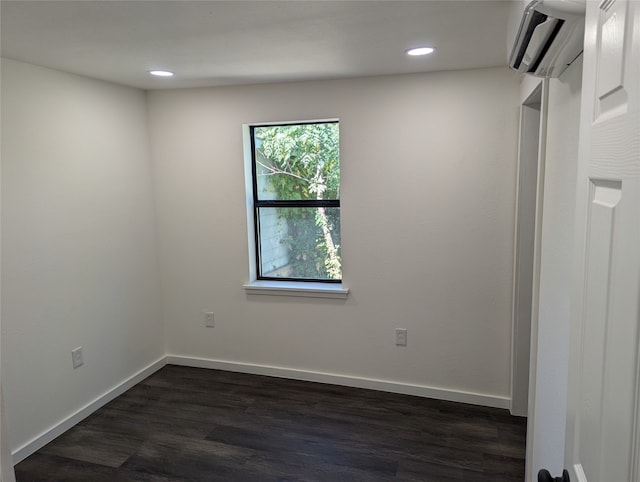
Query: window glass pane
(297,162)
(300,243)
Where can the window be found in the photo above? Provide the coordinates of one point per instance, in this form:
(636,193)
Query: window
(296,201)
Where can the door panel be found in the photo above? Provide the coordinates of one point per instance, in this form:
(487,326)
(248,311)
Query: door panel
(606,197)
(610,56)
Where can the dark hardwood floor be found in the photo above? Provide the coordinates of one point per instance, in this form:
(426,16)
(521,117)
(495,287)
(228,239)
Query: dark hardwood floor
(208,425)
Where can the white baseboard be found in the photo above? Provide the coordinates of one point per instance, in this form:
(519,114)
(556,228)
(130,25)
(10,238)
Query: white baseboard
(579,472)
(61,427)
(356,382)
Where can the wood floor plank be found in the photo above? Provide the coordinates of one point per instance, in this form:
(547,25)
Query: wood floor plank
(94,446)
(44,467)
(190,424)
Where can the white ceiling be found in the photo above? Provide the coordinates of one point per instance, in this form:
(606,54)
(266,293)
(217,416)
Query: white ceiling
(208,43)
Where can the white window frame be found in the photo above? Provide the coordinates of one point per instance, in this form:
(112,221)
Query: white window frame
(254,286)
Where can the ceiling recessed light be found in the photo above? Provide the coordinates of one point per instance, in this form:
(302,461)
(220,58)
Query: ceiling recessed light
(161,73)
(420,51)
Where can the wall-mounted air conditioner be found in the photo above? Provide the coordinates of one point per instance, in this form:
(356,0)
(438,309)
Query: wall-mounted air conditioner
(550,37)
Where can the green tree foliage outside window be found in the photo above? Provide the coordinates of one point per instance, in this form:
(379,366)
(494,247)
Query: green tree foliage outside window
(302,163)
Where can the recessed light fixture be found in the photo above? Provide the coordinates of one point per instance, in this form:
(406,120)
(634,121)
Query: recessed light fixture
(420,51)
(161,73)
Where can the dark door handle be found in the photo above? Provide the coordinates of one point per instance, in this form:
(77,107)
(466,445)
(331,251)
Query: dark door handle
(545,476)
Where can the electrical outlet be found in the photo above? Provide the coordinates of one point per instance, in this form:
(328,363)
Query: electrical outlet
(208,320)
(401,336)
(76,357)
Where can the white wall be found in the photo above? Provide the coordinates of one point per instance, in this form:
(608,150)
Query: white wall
(555,271)
(428,173)
(79,264)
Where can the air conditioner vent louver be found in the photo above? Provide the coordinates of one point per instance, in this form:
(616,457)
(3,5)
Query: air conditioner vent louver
(536,19)
(554,29)
(550,37)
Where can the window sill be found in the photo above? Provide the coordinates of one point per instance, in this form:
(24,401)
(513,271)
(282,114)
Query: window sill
(301,289)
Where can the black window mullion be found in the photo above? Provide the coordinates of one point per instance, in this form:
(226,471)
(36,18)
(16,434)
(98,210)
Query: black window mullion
(256,217)
(254,169)
(307,203)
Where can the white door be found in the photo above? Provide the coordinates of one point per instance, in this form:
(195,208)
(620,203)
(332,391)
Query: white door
(603,432)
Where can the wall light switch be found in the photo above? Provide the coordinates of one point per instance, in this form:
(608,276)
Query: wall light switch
(208,320)
(76,357)
(401,336)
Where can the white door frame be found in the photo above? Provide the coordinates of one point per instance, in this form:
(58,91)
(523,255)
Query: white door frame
(530,176)
(6,461)
(525,335)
